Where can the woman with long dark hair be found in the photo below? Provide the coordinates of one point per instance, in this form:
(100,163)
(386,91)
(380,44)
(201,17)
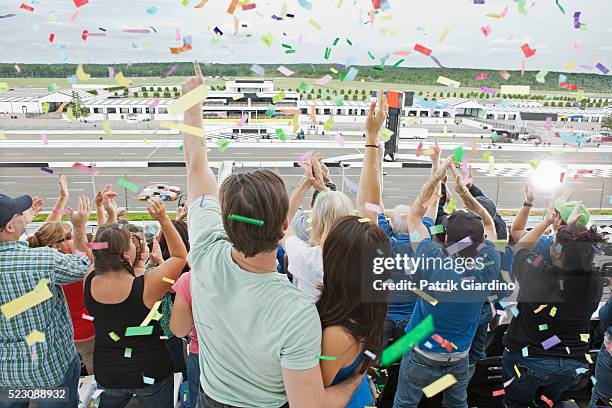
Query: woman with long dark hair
(129,356)
(352,327)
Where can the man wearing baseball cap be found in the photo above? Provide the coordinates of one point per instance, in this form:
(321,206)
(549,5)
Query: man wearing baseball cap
(36,346)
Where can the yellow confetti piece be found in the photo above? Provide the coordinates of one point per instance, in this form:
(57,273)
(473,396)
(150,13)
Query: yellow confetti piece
(2,135)
(188,100)
(192,130)
(35,337)
(553,311)
(114,336)
(443,35)
(433,301)
(81,75)
(106,127)
(439,385)
(40,293)
(364,220)
(152,312)
(518,373)
(314,24)
(146,141)
(584,337)
(168,280)
(588,358)
(121,80)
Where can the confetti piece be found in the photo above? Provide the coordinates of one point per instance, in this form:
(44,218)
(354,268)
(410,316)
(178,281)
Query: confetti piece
(521,7)
(327,358)
(584,337)
(126,184)
(371,355)
(499,392)
(518,373)
(543,327)
(436,229)
(222,144)
(415,336)
(278,97)
(602,68)
(87,317)
(448,82)
(148,380)
(340,140)
(547,401)
(45,169)
(280,133)
(540,308)
(385,134)
(527,51)
(80,3)
(97,245)
(486,30)
(439,385)
(35,337)
(192,130)
(127,353)
(245,219)
(588,358)
(525,351)
(514,310)
(423,50)
(305,4)
(551,342)
(581,370)
(452,205)
(114,336)
(26,7)
(443,35)
(364,220)
(459,246)
(373,207)
(267,39)
(488,90)
(81,75)
(138,331)
(430,299)
(285,71)
(350,184)
(560,6)
(121,80)
(185,102)
(38,295)
(106,126)
(323,81)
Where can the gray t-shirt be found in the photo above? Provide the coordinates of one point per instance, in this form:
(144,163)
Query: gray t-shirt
(249,325)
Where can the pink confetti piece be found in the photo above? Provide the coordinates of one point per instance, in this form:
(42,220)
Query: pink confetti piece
(507,383)
(373,207)
(242,120)
(153,103)
(87,317)
(74,16)
(499,392)
(340,140)
(97,245)
(481,77)
(45,139)
(323,81)
(458,246)
(67,211)
(85,169)
(504,12)
(547,401)
(285,71)
(177,36)
(488,90)
(170,71)
(486,30)
(350,184)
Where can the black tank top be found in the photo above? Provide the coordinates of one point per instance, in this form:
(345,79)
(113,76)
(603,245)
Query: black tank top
(149,357)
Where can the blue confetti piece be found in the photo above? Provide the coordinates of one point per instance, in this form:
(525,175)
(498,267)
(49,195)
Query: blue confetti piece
(152,10)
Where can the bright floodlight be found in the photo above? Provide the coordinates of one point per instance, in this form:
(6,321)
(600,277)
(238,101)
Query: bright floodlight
(547,176)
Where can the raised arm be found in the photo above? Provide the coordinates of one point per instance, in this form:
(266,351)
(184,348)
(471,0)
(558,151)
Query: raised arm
(297,196)
(58,209)
(369,182)
(200,178)
(472,204)
(432,207)
(79,225)
(417,230)
(155,287)
(531,238)
(108,201)
(518,225)
(100,214)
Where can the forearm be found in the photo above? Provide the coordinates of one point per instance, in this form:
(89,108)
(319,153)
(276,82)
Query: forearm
(338,396)
(56,212)
(296,198)
(101,215)
(530,239)
(369,182)
(112,215)
(472,204)
(432,208)
(80,241)
(176,247)
(519,223)
(418,206)
(200,177)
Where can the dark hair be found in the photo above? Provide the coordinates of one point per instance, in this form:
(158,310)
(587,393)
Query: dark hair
(329,185)
(260,195)
(578,246)
(347,250)
(111,259)
(139,243)
(181,228)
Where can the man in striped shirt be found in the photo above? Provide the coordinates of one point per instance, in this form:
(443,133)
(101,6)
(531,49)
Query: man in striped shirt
(36,346)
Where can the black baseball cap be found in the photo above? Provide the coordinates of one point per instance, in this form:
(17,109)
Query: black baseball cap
(9,207)
(464,223)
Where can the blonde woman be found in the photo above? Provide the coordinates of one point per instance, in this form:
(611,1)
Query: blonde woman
(306,258)
(58,235)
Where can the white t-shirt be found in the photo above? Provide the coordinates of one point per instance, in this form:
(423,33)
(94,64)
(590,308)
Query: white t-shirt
(306,265)
(249,325)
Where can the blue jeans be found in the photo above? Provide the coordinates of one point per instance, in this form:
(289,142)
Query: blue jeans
(193,376)
(603,375)
(549,376)
(417,372)
(70,382)
(158,395)
(479,342)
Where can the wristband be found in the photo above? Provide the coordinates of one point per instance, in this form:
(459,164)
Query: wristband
(371,145)
(526,204)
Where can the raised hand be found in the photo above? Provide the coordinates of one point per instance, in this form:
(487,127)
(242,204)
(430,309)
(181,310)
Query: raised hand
(376,115)
(63,187)
(81,215)
(157,209)
(529,196)
(574,217)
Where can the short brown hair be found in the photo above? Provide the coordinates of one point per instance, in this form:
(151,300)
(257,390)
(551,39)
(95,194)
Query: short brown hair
(260,195)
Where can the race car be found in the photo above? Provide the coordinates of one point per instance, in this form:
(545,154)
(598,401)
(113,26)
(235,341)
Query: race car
(164,192)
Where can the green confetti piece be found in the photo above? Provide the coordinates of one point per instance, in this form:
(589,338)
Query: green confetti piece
(305,87)
(51,87)
(185,3)
(69,113)
(106,127)
(372,57)
(278,97)
(494,137)
(458,154)
(336,41)
(534,163)
(127,353)
(378,68)
(114,336)
(327,52)
(281,134)
(328,125)
(222,144)
(452,205)
(4,86)
(139,331)
(327,358)
(267,39)
(415,336)
(287,46)
(182,149)
(486,155)
(349,42)
(126,184)
(245,219)
(436,229)
(290,52)
(543,327)
(339,100)
(583,26)
(397,64)
(385,134)
(271,109)
(45,107)
(553,311)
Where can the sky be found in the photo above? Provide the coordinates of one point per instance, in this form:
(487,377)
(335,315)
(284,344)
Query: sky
(25,37)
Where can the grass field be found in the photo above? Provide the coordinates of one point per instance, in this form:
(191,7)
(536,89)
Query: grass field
(280,83)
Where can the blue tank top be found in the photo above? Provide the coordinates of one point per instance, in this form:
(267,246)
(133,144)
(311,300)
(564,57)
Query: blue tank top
(363,394)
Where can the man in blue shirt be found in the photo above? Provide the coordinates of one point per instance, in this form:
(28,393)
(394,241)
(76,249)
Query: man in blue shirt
(456,308)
